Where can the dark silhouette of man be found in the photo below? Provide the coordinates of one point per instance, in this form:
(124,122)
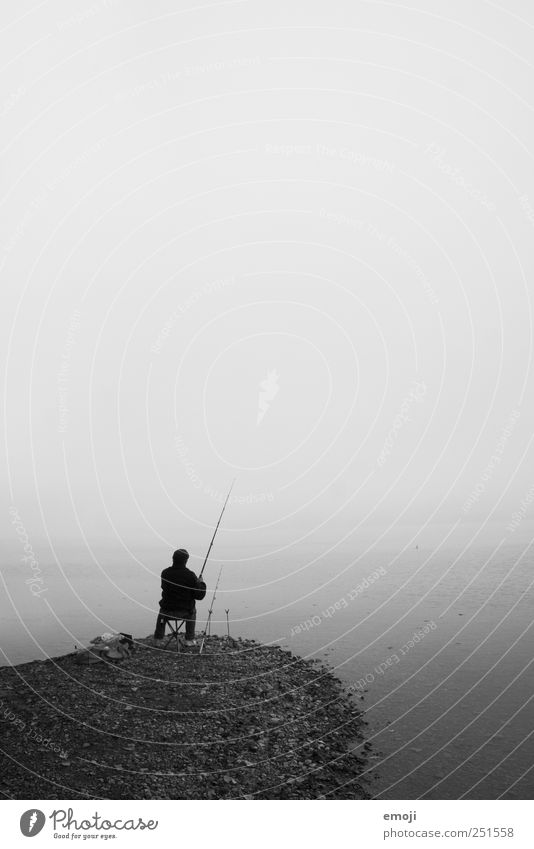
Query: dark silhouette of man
(180,590)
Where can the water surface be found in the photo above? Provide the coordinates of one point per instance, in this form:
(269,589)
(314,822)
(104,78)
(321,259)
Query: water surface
(439,644)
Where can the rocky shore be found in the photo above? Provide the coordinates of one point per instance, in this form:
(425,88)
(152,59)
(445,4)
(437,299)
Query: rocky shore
(240,720)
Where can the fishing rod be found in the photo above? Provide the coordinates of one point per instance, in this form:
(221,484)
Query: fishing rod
(216,529)
(210,611)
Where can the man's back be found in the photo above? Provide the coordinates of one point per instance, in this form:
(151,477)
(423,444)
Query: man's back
(177,585)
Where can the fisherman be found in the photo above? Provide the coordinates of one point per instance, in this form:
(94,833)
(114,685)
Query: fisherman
(180,589)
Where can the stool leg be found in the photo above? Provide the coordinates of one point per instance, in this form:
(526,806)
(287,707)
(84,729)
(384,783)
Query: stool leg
(174,635)
(175,631)
(169,623)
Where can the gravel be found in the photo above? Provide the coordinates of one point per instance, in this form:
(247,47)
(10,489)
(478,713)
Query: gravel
(240,720)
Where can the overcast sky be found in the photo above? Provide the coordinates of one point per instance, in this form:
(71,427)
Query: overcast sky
(283,242)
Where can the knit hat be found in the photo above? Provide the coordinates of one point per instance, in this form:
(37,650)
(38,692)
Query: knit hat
(180,557)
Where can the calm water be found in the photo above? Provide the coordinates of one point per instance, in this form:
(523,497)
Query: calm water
(450,711)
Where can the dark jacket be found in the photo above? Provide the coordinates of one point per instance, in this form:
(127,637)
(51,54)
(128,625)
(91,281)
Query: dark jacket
(180,588)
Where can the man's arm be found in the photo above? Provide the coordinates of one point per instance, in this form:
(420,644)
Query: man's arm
(199,590)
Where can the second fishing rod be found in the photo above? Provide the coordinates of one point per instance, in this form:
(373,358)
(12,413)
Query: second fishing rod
(201,583)
(207,629)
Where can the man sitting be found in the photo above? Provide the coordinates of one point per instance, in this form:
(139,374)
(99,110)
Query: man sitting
(180,589)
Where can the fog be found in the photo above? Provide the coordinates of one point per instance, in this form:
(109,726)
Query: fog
(287,244)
